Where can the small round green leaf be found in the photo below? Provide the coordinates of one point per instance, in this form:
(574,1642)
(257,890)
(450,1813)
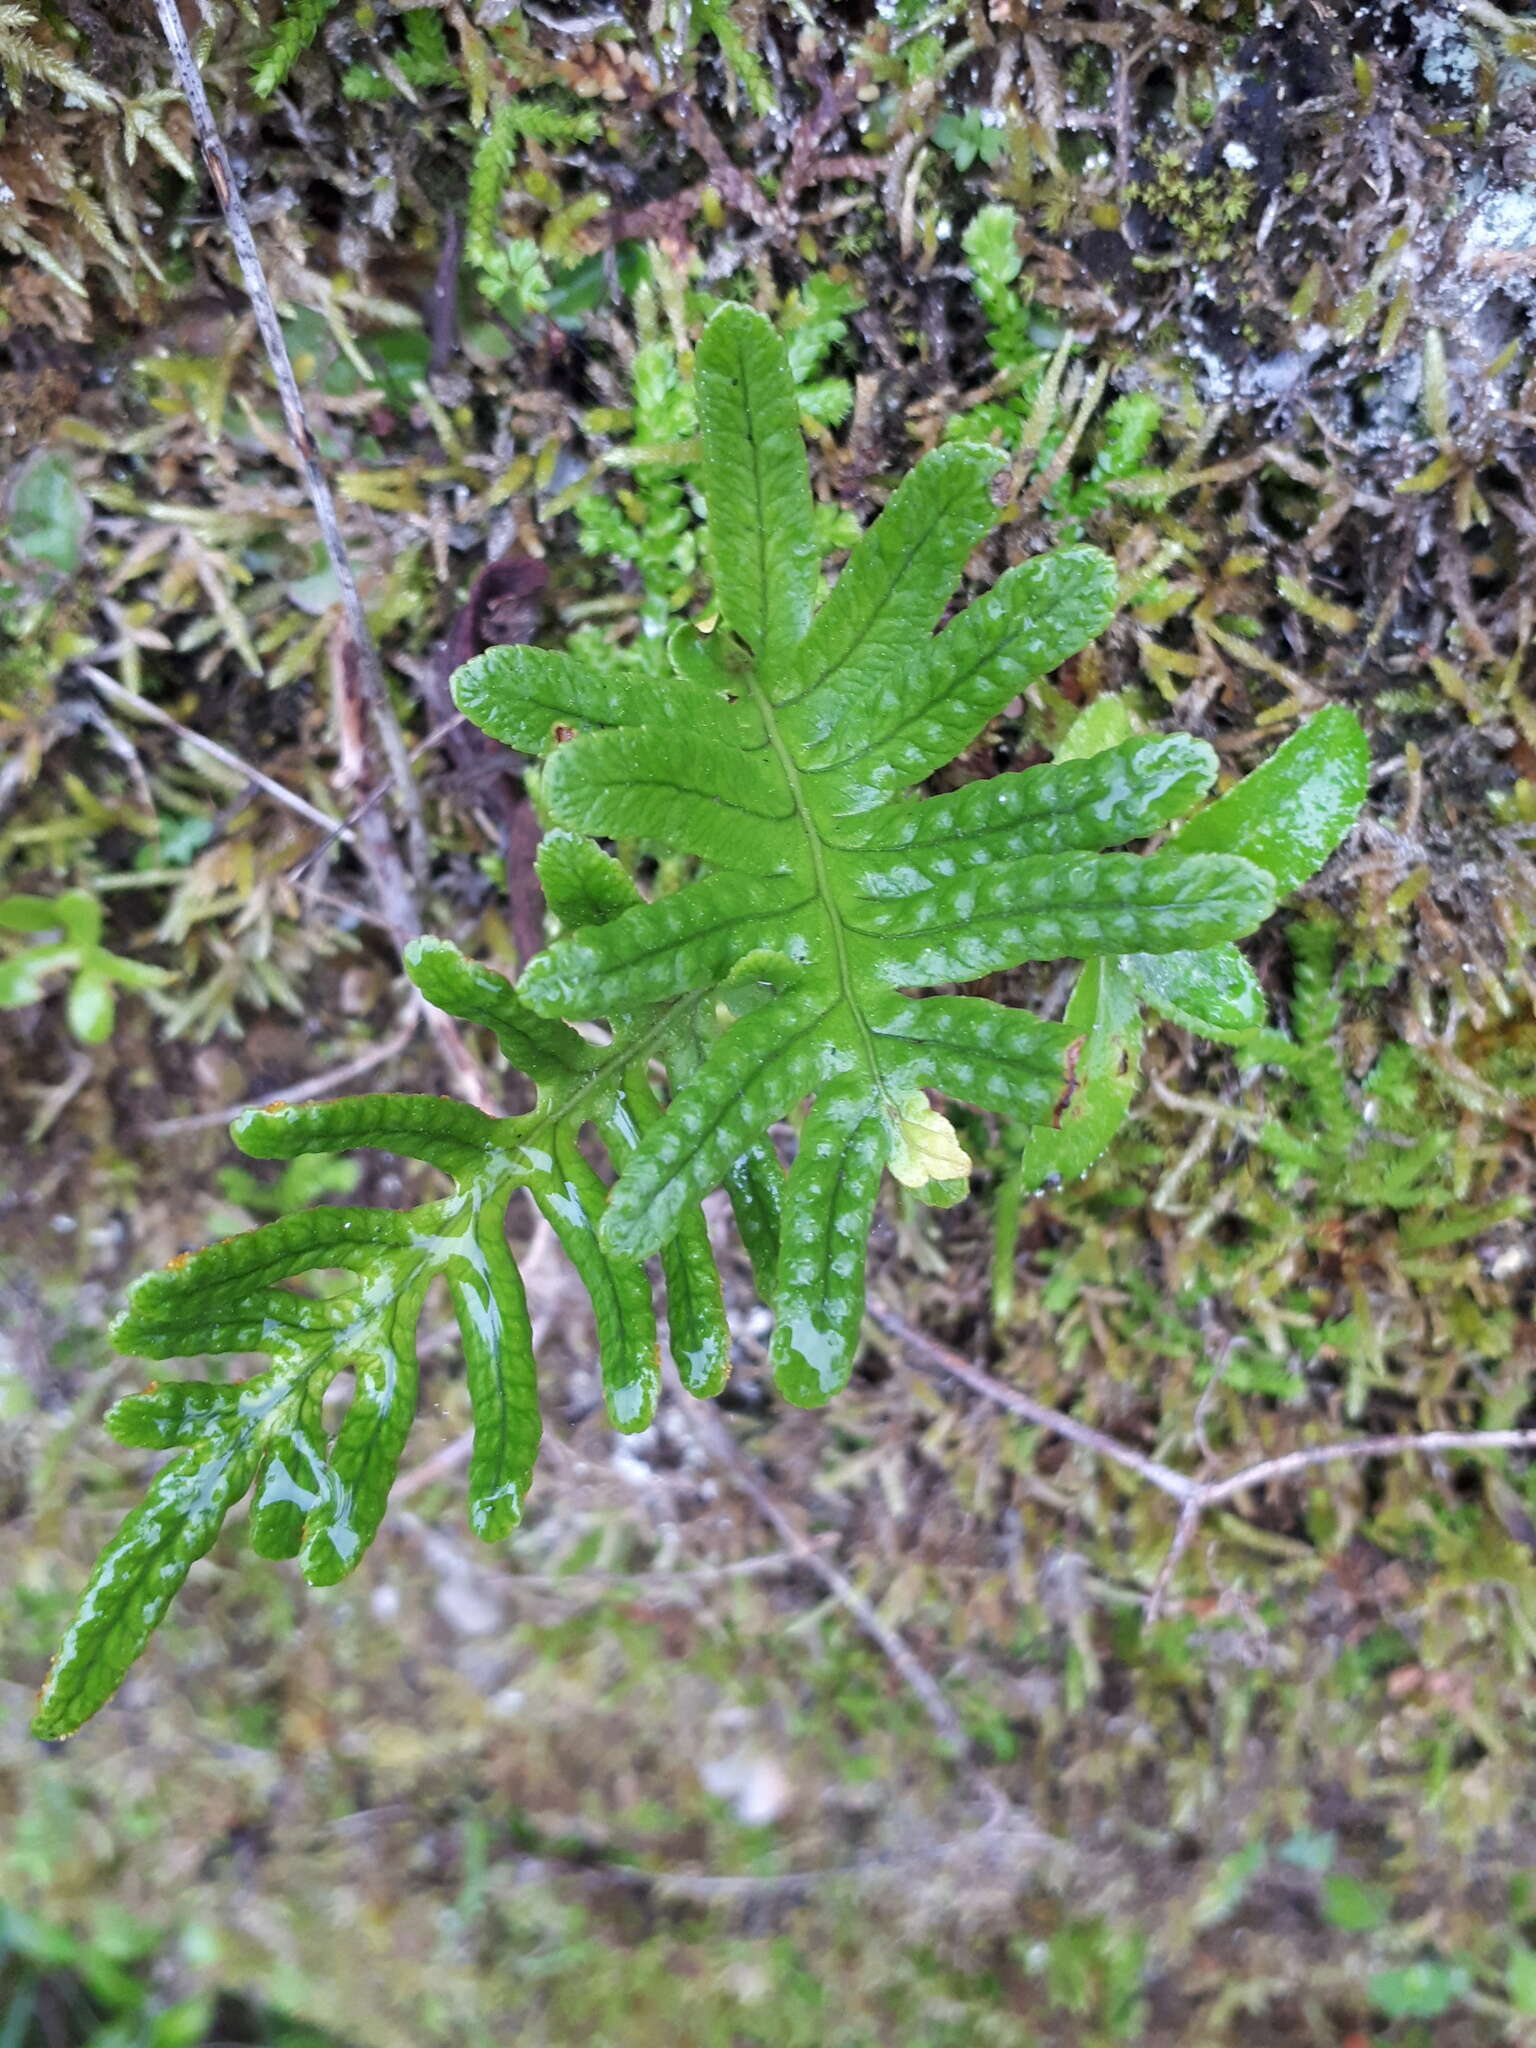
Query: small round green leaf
(92,1007)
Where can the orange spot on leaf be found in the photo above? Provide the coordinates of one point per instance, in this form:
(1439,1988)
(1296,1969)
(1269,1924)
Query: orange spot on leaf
(1064,1100)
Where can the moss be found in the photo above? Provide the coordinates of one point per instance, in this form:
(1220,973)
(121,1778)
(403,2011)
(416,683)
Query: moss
(1205,208)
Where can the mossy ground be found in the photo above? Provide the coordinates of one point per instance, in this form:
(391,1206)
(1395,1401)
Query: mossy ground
(602,1785)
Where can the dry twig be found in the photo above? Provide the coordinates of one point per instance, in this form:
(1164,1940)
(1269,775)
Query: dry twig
(342,828)
(1196,1497)
(231,202)
(704,1421)
(300,1091)
(393,884)
(141,707)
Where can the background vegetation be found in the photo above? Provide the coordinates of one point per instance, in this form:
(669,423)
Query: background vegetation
(1249,290)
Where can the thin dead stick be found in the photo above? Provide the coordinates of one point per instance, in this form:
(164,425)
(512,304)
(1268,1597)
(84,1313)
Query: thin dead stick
(924,1351)
(1491,17)
(299,1091)
(1183,1536)
(142,708)
(392,885)
(1057,1863)
(343,827)
(764,1565)
(1213,1492)
(1195,1496)
(370,670)
(919,1682)
(1426,1442)
(706,1426)
(441,1464)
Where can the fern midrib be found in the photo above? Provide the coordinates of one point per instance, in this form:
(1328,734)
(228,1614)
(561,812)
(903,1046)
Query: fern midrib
(767,651)
(524,1131)
(816,847)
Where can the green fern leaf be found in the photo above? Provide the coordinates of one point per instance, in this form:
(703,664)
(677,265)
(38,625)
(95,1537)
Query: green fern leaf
(517,118)
(1104,1011)
(757,487)
(300,23)
(324,1502)
(778,757)
(1214,992)
(1291,812)
(1285,818)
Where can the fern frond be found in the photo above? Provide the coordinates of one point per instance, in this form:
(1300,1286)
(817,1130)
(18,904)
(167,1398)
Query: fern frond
(426,60)
(777,755)
(1031,361)
(991,245)
(1315,1008)
(299,24)
(517,119)
(815,320)
(24,55)
(495,154)
(1316,1014)
(715,18)
(323,1502)
(1285,818)
(804,720)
